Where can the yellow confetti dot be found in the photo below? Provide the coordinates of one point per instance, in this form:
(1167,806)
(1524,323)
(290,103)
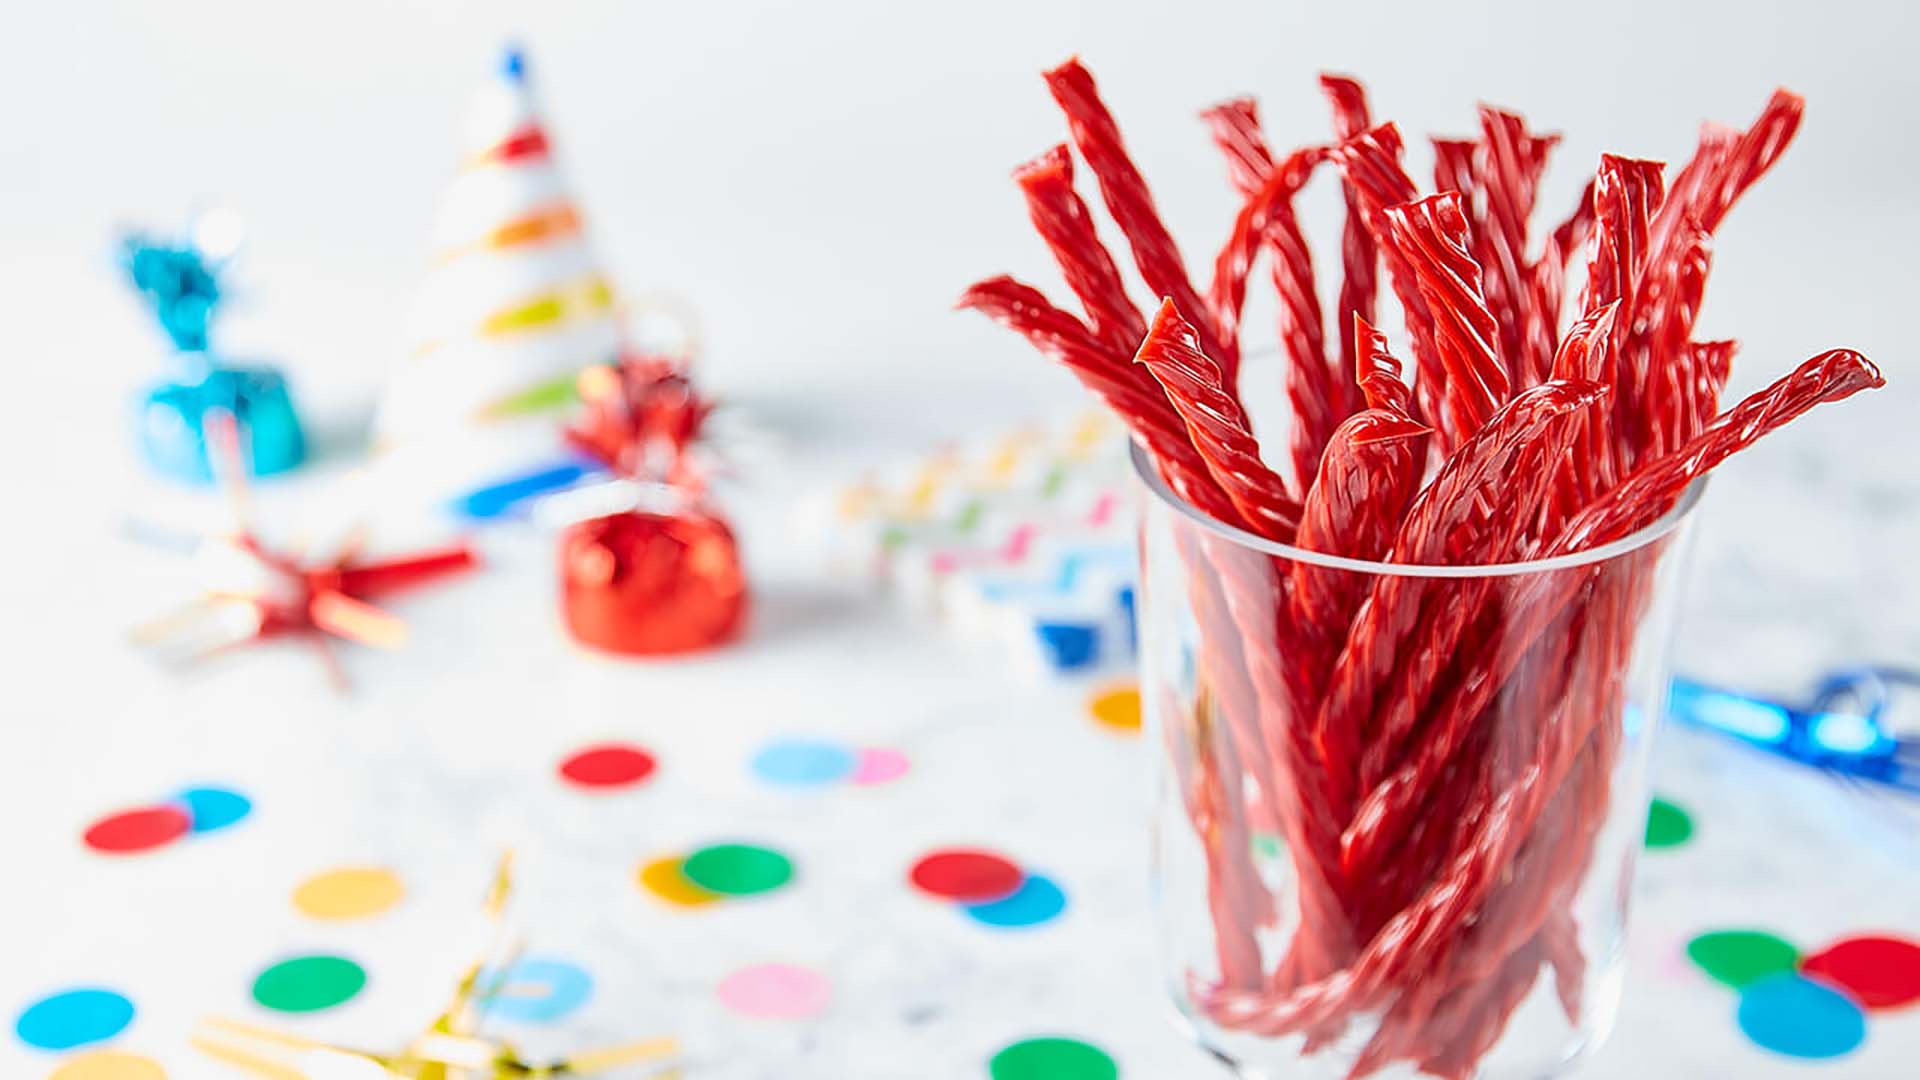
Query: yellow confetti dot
(109,1065)
(349,892)
(663,878)
(1116,707)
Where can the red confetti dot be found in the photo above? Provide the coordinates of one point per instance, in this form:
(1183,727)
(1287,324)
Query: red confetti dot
(137,830)
(971,877)
(608,765)
(1880,972)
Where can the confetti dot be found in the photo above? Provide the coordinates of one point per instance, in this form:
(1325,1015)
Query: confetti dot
(1116,707)
(109,1065)
(667,879)
(131,831)
(880,765)
(1668,825)
(966,875)
(737,869)
(349,892)
(1036,901)
(539,990)
(608,765)
(1739,957)
(212,808)
(1800,1018)
(1052,1059)
(73,1018)
(1880,972)
(803,763)
(776,992)
(308,983)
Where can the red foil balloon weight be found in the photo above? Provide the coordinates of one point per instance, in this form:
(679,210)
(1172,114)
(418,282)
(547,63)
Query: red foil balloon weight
(649,584)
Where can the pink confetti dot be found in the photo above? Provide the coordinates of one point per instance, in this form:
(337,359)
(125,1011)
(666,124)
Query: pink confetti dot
(879,765)
(776,992)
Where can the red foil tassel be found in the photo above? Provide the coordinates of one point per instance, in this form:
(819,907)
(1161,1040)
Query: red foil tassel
(647,584)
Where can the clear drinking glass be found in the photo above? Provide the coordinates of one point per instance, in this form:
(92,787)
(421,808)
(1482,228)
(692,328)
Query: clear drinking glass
(1404,845)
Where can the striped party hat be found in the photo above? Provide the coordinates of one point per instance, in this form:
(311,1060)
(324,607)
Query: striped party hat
(514,306)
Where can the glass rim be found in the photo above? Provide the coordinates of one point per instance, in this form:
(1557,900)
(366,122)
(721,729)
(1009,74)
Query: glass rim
(1148,475)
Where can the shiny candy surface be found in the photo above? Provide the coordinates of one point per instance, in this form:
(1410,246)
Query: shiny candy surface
(647,584)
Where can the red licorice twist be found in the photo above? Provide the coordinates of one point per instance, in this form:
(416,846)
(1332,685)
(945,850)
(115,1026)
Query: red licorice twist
(1358,254)
(1061,218)
(1432,238)
(1219,430)
(1131,204)
(1510,165)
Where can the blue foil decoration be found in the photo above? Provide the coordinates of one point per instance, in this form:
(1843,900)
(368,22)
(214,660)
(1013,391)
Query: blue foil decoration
(182,286)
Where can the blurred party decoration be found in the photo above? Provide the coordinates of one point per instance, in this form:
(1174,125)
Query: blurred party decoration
(1847,727)
(1810,1005)
(776,992)
(349,892)
(71,1018)
(606,766)
(513,308)
(1052,1058)
(452,1047)
(648,566)
(254,591)
(180,278)
(1024,539)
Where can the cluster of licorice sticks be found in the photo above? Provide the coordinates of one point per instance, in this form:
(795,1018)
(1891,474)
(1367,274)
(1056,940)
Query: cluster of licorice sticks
(1437,753)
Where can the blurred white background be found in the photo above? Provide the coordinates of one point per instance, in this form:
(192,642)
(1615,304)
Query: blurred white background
(822,179)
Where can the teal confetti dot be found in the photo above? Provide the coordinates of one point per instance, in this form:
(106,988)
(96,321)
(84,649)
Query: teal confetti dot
(804,762)
(73,1018)
(1795,1016)
(212,808)
(538,990)
(1037,900)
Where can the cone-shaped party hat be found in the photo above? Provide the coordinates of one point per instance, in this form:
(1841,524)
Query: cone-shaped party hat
(513,308)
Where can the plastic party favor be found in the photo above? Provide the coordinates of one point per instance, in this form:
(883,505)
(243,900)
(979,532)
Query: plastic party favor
(180,278)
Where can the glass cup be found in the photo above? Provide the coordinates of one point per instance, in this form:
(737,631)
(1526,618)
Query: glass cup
(1396,808)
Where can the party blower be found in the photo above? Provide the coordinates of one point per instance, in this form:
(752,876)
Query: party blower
(1398,798)
(453,1046)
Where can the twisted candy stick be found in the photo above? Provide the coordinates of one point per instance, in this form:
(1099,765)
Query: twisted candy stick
(1266,218)
(1133,396)
(1358,256)
(1432,239)
(1391,783)
(1585,353)
(1626,194)
(1131,204)
(1546,281)
(1635,503)
(1676,407)
(1219,430)
(1061,219)
(1462,512)
(1313,388)
(1508,178)
(1370,162)
(1650,490)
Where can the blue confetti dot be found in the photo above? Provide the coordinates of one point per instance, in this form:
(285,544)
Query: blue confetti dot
(804,762)
(1037,900)
(73,1018)
(212,808)
(1792,1015)
(539,990)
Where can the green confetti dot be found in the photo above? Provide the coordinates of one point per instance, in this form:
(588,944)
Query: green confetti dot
(1739,957)
(737,869)
(1668,825)
(1266,845)
(308,983)
(1052,1059)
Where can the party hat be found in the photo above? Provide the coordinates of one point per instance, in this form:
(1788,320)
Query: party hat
(515,305)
